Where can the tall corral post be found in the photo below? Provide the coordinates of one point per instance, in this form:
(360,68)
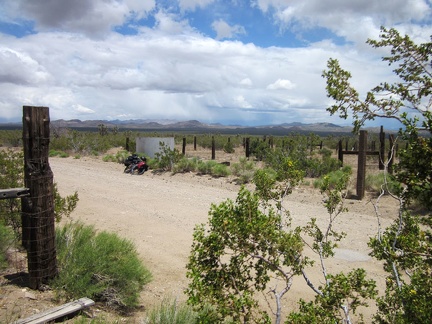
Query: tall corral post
(361,167)
(127,144)
(213,149)
(340,152)
(247,146)
(195,141)
(38,218)
(391,154)
(382,149)
(184,146)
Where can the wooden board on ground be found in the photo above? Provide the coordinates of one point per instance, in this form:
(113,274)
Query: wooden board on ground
(57,312)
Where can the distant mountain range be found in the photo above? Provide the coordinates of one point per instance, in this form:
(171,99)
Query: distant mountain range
(195,126)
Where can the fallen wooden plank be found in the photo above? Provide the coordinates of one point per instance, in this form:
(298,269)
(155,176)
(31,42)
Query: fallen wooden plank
(57,312)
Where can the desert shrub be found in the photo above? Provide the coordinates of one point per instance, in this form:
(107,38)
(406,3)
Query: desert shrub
(332,179)
(170,311)
(6,241)
(109,158)
(378,182)
(99,265)
(167,157)
(229,148)
(259,149)
(205,167)
(185,165)
(11,138)
(243,170)
(62,154)
(220,170)
(11,176)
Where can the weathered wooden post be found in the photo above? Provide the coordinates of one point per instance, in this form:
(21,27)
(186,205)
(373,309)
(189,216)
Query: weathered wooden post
(361,165)
(382,148)
(195,141)
(184,146)
(213,149)
(391,154)
(38,218)
(247,147)
(127,144)
(340,152)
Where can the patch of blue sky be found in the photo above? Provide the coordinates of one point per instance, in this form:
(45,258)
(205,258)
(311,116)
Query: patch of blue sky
(20,29)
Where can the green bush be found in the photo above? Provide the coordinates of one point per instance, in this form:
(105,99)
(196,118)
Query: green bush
(229,148)
(167,157)
(206,167)
(381,181)
(172,312)
(6,241)
(99,265)
(220,170)
(332,179)
(185,165)
(244,170)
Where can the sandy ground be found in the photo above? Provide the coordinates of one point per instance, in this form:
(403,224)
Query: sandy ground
(158,212)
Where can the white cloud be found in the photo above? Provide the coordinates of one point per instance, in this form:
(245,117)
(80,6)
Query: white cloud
(223,30)
(281,84)
(77,65)
(82,110)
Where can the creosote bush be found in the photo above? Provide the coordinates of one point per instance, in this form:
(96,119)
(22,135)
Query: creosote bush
(99,265)
(170,311)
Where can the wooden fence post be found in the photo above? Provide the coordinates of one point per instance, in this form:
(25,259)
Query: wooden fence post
(127,144)
(38,218)
(391,154)
(184,146)
(382,148)
(195,143)
(247,146)
(340,152)
(213,149)
(361,165)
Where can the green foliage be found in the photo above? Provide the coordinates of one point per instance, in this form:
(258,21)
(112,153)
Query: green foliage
(185,165)
(170,311)
(12,176)
(405,246)
(220,170)
(243,170)
(61,154)
(345,293)
(6,242)
(233,260)
(259,149)
(229,147)
(167,157)
(99,265)
(382,182)
(205,167)
(11,138)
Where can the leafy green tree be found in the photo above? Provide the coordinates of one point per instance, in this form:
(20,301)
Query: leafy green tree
(341,294)
(233,261)
(406,246)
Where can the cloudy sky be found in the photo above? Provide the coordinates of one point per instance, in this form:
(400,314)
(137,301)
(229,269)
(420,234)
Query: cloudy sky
(246,62)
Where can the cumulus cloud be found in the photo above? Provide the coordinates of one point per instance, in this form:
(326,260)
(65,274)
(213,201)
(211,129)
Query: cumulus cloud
(167,65)
(281,84)
(82,110)
(94,18)
(224,30)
